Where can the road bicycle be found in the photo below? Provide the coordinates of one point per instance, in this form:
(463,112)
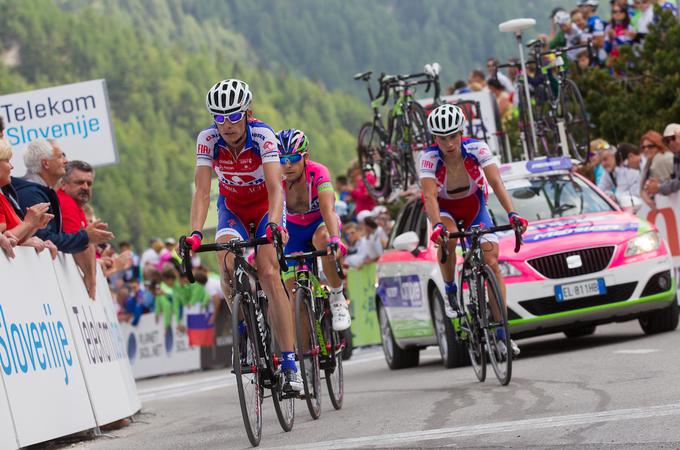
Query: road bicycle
(477,327)
(387,153)
(255,360)
(319,347)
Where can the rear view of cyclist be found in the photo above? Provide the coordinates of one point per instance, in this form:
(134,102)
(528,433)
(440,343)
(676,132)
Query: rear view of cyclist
(311,218)
(243,152)
(454,188)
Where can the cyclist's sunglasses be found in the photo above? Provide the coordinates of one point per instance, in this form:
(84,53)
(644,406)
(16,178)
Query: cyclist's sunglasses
(290,159)
(233,117)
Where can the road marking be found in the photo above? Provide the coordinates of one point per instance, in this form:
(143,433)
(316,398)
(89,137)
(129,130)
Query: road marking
(636,351)
(182,389)
(401,439)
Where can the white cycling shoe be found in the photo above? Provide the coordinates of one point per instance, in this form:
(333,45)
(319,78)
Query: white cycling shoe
(341,317)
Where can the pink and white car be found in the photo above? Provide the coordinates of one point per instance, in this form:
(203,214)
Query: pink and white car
(584,262)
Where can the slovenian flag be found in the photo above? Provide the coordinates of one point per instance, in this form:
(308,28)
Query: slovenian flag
(201,333)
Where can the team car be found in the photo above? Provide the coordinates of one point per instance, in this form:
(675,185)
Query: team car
(584,262)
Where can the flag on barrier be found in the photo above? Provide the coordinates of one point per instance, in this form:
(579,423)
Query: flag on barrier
(201,332)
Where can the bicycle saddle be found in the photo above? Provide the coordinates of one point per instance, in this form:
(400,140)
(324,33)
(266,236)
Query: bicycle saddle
(363,76)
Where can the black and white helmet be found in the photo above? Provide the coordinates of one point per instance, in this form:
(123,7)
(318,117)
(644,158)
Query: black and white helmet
(445,120)
(228,96)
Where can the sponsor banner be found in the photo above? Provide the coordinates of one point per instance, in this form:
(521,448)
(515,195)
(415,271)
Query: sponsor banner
(361,293)
(403,291)
(38,359)
(76,115)
(154,349)
(8,438)
(99,344)
(667,219)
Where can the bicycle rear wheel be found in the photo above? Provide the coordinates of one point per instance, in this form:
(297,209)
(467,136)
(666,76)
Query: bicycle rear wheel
(575,121)
(501,361)
(524,125)
(470,328)
(308,352)
(333,363)
(373,160)
(246,355)
(420,137)
(546,126)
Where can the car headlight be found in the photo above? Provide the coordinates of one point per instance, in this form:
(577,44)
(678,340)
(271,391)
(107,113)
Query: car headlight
(508,270)
(647,242)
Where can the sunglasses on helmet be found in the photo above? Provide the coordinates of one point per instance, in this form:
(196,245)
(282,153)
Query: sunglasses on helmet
(290,158)
(233,117)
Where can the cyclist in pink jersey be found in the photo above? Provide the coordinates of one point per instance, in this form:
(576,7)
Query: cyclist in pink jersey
(311,219)
(244,154)
(454,189)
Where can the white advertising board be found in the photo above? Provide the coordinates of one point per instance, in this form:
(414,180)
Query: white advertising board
(76,115)
(667,219)
(99,344)
(154,349)
(38,359)
(489,122)
(8,438)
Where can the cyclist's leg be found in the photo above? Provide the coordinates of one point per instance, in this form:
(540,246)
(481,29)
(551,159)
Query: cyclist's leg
(299,241)
(229,227)
(448,267)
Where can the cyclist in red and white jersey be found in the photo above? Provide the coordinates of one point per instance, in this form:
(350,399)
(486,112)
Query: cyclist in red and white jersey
(454,188)
(311,219)
(243,152)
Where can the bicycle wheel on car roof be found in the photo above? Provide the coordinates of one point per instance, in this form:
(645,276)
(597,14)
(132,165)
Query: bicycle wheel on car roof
(374,163)
(575,120)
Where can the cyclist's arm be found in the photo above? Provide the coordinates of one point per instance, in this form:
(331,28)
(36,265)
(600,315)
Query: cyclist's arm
(327,207)
(272,178)
(430,190)
(201,201)
(493,176)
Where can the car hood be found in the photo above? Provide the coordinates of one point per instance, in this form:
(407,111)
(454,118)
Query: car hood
(573,232)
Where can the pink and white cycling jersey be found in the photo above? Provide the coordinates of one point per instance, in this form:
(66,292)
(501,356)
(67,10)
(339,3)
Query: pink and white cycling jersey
(241,178)
(318,179)
(476,154)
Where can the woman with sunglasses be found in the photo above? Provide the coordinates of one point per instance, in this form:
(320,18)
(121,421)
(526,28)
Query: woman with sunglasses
(244,154)
(618,32)
(454,188)
(311,219)
(671,137)
(658,165)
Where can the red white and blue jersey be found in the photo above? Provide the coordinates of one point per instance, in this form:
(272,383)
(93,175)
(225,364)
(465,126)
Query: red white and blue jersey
(476,155)
(241,178)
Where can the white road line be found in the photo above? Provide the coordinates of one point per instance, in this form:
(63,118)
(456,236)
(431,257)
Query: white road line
(386,440)
(636,351)
(183,389)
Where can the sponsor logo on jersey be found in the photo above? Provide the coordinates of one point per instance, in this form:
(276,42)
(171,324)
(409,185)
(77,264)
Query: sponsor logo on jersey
(269,145)
(203,149)
(428,164)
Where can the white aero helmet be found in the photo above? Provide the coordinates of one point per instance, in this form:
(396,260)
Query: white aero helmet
(561,18)
(228,96)
(445,120)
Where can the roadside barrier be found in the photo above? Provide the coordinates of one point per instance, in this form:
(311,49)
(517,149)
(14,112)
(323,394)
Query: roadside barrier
(667,219)
(63,363)
(361,292)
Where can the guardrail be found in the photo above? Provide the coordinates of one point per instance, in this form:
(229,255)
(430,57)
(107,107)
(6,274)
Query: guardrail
(63,361)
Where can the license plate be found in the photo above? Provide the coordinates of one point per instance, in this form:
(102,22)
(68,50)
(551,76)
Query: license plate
(579,290)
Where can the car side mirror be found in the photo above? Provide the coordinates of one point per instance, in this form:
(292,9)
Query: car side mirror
(407,241)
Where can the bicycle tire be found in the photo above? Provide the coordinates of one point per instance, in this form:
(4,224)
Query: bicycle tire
(422,139)
(469,324)
(576,122)
(284,406)
(373,160)
(307,352)
(333,371)
(523,124)
(248,377)
(501,363)
(547,135)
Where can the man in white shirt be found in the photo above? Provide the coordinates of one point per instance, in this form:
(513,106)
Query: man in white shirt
(491,65)
(618,181)
(151,255)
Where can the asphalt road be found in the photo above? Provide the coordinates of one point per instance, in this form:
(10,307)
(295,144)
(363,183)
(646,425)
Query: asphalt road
(615,389)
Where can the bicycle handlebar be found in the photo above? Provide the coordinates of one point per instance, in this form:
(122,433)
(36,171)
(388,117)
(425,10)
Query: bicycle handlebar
(300,257)
(476,231)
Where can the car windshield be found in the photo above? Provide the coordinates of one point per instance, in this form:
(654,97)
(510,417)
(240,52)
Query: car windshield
(549,197)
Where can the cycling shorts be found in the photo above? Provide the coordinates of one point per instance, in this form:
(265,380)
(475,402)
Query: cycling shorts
(471,210)
(238,225)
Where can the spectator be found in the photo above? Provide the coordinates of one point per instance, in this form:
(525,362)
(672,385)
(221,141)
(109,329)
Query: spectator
(362,199)
(494,74)
(476,81)
(618,32)
(597,146)
(568,35)
(618,180)
(352,235)
(382,217)
(583,61)
(671,137)
(594,28)
(502,99)
(167,253)
(139,301)
(631,155)
(213,289)
(121,296)
(133,272)
(13,229)
(554,29)
(645,17)
(46,164)
(370,247)
(578,19)
(459,87)
(658,166)
(151,255)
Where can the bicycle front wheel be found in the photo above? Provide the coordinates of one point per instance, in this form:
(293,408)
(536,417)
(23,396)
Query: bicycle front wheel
(470,327)
(333,361)
(575,121)
(308,351)
(500,349)
(284,404)
(373,160)
(246,355)
(524,125)
(420,138)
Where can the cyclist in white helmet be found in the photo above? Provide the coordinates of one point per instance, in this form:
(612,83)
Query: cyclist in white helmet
(243,151)
(454,188)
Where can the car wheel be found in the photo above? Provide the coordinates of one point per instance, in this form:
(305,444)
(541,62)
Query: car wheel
(665,319)
(396,357)
(453,352)
(580,332)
